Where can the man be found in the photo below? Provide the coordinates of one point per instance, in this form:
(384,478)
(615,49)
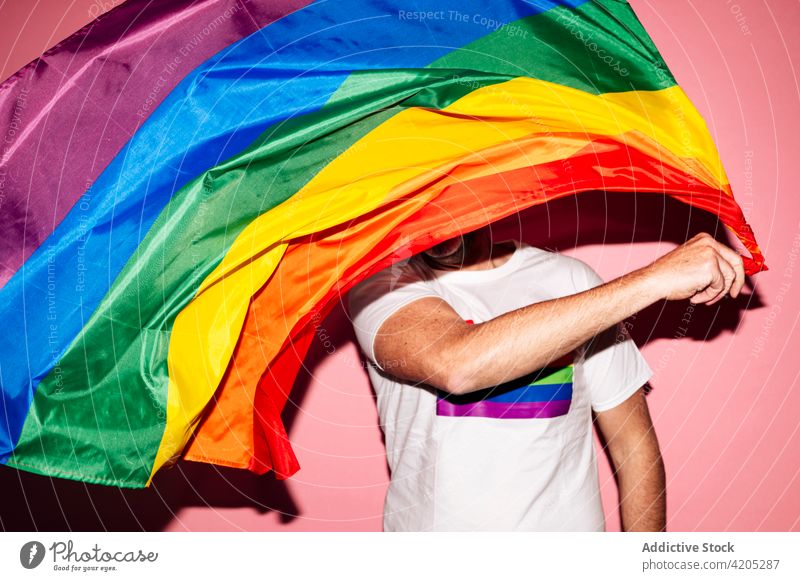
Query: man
(488,361)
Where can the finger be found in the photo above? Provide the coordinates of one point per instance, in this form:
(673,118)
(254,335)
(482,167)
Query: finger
(703,296)
(734,259)
(701,236)
(713,288)
(729,276)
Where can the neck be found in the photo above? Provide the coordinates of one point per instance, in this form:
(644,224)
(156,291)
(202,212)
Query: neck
(487,255)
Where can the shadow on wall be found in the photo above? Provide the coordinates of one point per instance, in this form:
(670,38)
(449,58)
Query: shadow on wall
(38,503)
(32,502)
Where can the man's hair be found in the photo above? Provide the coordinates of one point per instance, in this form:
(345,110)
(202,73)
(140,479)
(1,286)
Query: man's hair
(453,261)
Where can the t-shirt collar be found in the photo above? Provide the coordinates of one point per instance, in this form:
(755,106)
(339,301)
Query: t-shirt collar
(469,276)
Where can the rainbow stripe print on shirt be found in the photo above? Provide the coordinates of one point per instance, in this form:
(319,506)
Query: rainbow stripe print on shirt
(545,393)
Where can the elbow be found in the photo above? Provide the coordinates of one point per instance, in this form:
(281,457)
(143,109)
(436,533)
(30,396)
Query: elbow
(458,383)
(451,371)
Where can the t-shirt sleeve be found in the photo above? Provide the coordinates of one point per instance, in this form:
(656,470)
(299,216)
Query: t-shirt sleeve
(613,367)
(375,299)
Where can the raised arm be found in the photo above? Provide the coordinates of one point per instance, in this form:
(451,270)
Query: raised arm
(427,342)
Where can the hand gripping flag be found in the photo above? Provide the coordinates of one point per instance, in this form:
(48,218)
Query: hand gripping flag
(187,187)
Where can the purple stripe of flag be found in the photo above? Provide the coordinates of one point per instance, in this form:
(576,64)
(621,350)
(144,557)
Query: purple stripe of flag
(516,410)
(70,112)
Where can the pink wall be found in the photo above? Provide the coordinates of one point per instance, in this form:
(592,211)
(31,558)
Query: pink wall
(725,402)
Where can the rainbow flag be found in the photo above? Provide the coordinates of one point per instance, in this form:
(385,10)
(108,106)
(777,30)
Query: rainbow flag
(187,188)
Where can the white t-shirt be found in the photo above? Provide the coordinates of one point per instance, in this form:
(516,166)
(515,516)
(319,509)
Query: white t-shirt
(519,456)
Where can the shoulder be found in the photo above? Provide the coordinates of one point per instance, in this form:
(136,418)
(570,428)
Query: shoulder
(402,278)
(572,270)
(376,298)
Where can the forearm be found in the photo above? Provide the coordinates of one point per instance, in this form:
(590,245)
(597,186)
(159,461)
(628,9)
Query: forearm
(527,339)
(428,342)
(642,492)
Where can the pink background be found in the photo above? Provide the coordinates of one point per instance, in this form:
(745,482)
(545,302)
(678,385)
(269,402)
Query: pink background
(725,401)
